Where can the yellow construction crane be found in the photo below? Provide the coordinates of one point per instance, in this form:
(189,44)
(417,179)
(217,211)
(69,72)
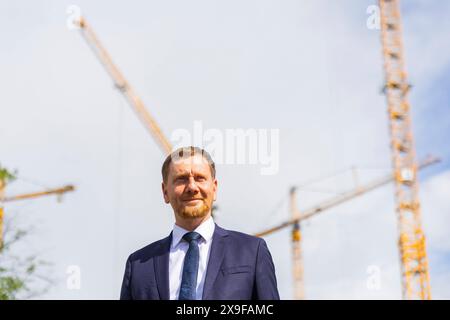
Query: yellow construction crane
(297,258)
(58,191)
(412,249)
(124,87)
(6,177)
(297,216)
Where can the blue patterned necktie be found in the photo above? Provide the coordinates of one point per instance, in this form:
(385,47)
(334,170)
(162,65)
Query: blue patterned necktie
(190,267)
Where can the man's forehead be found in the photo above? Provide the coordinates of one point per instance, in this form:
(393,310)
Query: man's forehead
(196,162)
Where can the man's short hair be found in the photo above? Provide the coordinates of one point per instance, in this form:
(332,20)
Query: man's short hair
(185,152)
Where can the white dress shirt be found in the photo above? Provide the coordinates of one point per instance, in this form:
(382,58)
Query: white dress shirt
(178,251)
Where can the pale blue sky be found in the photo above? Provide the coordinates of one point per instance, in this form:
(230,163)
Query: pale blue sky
(311,69)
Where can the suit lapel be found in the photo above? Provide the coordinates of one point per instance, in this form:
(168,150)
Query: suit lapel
(161,264)
(215,260)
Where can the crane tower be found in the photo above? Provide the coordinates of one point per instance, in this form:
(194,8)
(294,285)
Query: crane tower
(413,257)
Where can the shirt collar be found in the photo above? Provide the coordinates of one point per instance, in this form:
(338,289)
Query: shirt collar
(205,229)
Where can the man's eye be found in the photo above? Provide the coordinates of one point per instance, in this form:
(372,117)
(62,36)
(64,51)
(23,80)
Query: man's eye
(200,179)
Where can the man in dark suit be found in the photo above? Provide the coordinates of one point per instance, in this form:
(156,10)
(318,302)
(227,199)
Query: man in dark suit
(198,260)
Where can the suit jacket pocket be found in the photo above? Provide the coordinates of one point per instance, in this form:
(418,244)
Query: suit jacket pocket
(236,269)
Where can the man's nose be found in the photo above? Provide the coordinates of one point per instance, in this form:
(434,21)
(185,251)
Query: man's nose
(192,185)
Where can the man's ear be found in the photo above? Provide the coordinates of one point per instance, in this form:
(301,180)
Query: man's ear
(215,189)
(164,191)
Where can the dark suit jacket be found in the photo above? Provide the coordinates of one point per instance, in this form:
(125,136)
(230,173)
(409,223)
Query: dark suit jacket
(240,267)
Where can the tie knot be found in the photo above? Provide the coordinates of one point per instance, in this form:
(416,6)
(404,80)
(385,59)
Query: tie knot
(191,236)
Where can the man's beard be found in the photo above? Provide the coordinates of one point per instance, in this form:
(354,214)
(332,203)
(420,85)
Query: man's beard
(195,212)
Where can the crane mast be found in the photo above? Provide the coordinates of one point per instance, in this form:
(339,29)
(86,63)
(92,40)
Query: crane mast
(413,258)
(297,258)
